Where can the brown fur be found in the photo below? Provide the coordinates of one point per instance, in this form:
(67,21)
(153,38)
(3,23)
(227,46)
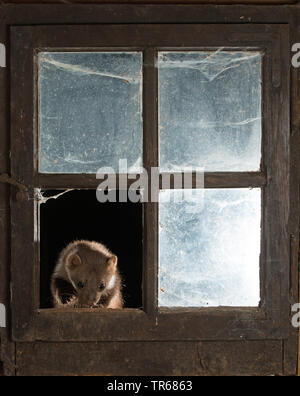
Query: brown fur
(91,264)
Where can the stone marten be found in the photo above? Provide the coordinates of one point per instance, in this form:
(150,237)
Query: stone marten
(86,276)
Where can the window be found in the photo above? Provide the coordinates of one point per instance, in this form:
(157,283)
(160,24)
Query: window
(141,83)
(82,93)
(210,118)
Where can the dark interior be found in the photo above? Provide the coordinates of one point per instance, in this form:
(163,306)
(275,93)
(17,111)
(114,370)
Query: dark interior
(78,215)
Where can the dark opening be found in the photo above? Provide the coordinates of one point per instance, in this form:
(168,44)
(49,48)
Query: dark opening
(78,215)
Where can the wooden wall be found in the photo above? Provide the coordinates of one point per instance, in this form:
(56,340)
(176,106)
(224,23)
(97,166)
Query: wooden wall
(211,351)
(226,2)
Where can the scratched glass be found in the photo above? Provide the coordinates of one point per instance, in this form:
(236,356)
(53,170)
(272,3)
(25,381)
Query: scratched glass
(90,111)
(209,248)
(210,110)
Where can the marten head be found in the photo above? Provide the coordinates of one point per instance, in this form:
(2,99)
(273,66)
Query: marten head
(92,272)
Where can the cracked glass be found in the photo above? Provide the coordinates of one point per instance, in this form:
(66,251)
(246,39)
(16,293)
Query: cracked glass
(210,110)
(209,248)
(90,111)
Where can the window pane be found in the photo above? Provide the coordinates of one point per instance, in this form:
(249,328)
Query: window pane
(210,248)
(90,111)
(210,110)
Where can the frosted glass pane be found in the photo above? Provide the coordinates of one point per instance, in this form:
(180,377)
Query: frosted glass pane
(210,110)
(209,249)
(90,111)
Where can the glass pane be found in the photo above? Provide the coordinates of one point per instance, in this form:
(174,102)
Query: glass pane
(210,248)
(90,111)
(210,110)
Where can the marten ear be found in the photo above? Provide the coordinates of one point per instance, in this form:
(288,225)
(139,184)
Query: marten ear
(112,263)
(73,262)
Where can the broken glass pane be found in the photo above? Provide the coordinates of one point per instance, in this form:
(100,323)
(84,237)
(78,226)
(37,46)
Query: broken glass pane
(209,248)
(210,110)
(90,111)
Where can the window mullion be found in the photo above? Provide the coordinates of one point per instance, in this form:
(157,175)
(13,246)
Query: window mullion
(216,180)
(150,115)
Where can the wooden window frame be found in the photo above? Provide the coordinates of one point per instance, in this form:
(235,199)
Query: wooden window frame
(272,319)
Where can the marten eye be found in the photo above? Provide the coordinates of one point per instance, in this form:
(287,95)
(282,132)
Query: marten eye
(80,285)
(101,286)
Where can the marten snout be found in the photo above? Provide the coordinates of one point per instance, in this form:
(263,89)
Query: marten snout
(89,293)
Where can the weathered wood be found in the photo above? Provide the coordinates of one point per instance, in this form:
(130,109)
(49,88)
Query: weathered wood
(76,181)
(150,149)
(30,326)
(151,359)
(211,180)
(276,196)
(223,179)
(128,13)
(4,138)
(258,2)
(7,347)
(291,355)
(244,358)
(141,36)
(167,324)
(24,238)
(60,14)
